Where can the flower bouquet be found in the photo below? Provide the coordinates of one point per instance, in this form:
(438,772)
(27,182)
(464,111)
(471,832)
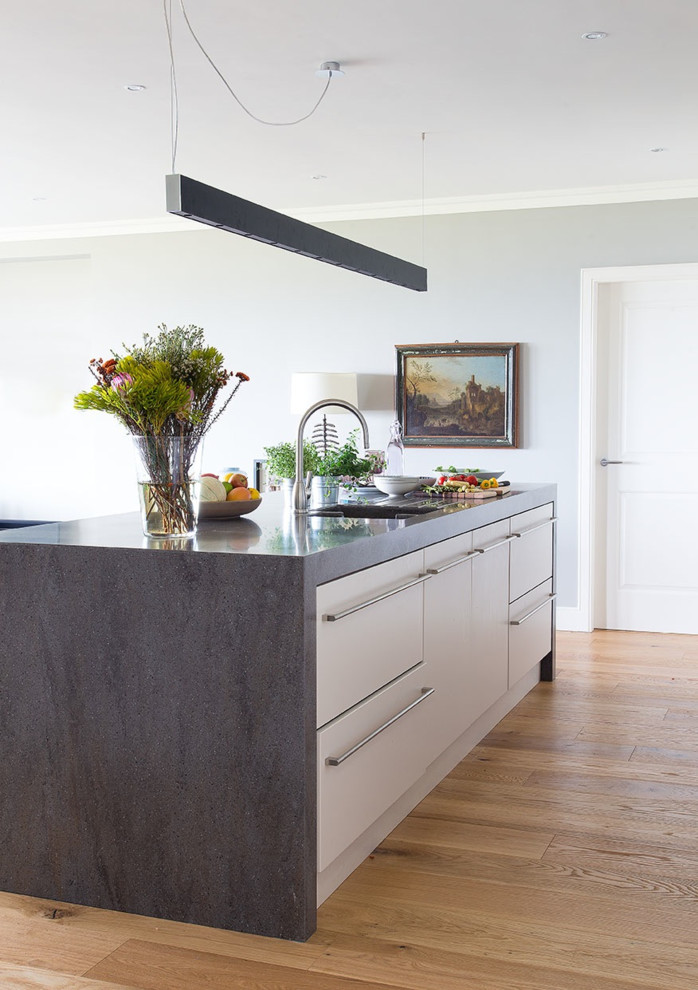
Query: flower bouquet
(165,393)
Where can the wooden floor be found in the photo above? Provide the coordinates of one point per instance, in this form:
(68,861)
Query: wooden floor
(562,854)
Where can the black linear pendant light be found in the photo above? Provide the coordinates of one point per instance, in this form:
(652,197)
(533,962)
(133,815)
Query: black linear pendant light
(188,198)
(206,204)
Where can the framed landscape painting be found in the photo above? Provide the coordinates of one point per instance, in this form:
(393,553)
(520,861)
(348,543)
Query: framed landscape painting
(458,395)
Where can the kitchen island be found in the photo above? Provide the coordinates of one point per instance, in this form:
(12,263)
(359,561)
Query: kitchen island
(163,705)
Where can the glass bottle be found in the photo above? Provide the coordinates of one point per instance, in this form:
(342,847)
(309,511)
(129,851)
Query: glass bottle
(395,451)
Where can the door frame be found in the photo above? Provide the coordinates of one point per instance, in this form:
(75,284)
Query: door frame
(583,620)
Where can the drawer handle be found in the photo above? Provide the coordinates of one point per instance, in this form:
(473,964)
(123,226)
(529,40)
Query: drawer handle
(532,529)
(453,563)
(519,622)
(499,543)
(379,598)
(334,761)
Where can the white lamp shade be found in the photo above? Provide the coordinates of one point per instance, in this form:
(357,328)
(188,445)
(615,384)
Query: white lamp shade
(309,387)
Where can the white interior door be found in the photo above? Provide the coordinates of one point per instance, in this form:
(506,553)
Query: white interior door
(648,425)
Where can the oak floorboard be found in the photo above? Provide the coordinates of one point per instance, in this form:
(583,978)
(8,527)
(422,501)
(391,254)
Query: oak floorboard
(411,965)
(588,782)
(566,951)
(28,922)
(635,859)
(542,808)
(149,966)
(463,836)
(532,761)
(662,756)
(32,978)
(600,904)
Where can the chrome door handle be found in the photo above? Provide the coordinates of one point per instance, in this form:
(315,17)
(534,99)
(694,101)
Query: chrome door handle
(604,462)
(532,529)
(499,543)
(379,598)
(519,622)
(335,761)
(454,563)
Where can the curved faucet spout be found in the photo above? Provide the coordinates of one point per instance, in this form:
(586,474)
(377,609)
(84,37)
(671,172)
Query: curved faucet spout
(300,495)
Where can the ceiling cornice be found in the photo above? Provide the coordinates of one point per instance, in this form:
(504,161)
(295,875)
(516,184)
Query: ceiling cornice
(532,200)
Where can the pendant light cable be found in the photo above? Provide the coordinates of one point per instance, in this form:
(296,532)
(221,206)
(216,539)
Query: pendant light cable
(174,98)
(423,189)
(260,120)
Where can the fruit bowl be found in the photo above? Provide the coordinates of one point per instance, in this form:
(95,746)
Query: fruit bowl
(398,484)
(228,510)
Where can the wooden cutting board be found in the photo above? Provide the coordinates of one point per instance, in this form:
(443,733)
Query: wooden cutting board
(469,496)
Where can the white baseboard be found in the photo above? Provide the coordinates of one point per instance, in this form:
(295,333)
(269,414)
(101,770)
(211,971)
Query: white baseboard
(571,620)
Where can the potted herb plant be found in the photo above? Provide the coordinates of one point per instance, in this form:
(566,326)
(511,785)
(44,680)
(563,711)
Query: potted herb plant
(281,462)
(344,466)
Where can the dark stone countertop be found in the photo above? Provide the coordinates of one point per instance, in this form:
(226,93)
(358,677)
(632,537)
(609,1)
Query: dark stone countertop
(332,546)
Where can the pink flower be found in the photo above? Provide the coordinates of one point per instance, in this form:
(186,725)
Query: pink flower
(121,381)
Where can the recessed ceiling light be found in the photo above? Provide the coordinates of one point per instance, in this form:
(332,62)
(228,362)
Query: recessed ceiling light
(38,199)
(595,35)
(319,177)
(135,87)
(657,150)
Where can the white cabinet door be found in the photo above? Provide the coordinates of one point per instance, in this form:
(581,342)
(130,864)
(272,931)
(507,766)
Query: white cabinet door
(488,668)
(369,631)
(368,758)
(532,551)
(530,630)
(447,639)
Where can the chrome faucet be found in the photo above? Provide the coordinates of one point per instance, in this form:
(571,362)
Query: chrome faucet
(300,491)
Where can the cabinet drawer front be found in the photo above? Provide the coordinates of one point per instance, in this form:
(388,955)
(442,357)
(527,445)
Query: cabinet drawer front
(530,630)
(448,553)
(532,551)
(366,648)
(354,794)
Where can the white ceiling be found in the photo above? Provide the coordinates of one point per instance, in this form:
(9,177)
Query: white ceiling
(511,97)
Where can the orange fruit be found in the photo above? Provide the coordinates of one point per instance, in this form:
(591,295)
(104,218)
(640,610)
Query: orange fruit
(238,495)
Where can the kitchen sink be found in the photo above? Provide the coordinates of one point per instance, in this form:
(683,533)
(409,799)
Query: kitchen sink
(378,510)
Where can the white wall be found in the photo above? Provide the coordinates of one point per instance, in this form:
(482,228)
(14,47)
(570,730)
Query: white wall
(507,276)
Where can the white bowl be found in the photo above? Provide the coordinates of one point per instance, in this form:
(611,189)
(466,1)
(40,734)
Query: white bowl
(398,484)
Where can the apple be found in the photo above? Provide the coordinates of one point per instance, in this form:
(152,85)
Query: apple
(238,480)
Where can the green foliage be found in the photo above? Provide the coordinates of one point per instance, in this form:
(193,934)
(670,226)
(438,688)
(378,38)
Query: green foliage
(346,462)
(167,385)
(281,459)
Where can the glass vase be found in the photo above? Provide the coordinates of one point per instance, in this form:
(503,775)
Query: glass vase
(168,471)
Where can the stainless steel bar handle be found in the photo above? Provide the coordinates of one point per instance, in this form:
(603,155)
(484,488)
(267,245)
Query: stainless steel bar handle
(604,462)
(499,543)
(532,529)
(454,563)
(518,622)
(379,598)
(334,761)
